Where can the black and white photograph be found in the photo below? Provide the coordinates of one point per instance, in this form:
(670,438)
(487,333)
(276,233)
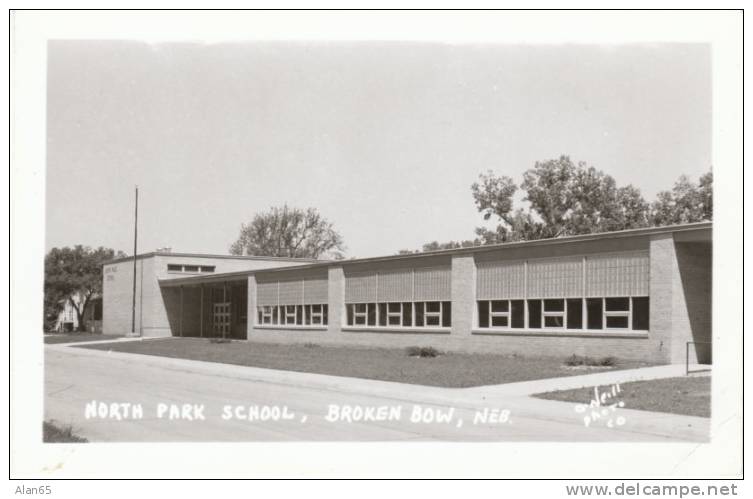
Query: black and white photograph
(398,234)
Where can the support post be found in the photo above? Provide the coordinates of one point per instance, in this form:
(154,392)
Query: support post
(224,301)
(135,238)
(201,314)
(181,312)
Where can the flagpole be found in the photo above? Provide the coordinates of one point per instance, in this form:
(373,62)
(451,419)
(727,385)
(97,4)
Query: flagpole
(135,238)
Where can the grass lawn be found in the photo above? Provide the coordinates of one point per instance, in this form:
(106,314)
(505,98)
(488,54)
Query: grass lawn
(76,337)
(690,396)
(52,433)
(454,370)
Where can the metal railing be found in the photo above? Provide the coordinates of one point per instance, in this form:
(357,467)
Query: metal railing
(687,356)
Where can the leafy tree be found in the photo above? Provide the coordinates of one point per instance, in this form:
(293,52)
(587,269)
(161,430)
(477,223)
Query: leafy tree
(73,275)
(685,203)
(289,232)
(564,198)
(436,246)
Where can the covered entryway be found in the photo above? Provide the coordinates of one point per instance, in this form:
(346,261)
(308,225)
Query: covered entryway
(207,307)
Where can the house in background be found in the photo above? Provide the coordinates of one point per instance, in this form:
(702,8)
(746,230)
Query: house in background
(67,320)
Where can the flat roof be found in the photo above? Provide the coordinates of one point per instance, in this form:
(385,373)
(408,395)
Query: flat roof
(204,255)
(230,276)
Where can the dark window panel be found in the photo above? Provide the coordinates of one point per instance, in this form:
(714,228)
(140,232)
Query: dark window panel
(575,313)
(382,314)
(446,314)
(483,313)
(325,315)
(594,311)
(432,306)
(534,314)
(500,306)
(171,267)
(499,321)
(349,310)
(617,322)
(372,314)
(299,315)
(617,304)
(517,314)
(554,305)
(407,314)
(190,268)
(419,314)
(640,313)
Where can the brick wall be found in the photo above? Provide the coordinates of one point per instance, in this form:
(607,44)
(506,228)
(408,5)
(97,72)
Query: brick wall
(462,336)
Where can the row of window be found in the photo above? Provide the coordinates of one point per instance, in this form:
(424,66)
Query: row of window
(570,313)
(293,315)
(192,269)
(400,314)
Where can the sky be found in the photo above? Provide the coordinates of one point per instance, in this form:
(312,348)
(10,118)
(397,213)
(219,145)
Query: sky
(383,138)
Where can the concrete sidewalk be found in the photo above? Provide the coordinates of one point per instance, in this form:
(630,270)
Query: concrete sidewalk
(588,380)
(93,342)
(514,396)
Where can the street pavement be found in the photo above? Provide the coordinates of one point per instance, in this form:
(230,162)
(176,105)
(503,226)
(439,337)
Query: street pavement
(191,401)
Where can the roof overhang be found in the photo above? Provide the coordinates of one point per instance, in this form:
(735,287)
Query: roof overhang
(695,232)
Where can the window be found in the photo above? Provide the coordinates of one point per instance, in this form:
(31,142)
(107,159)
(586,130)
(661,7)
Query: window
(267,315)
(518,313)
(289,315)
(617,313)
(594,309)
(399,314)
(630,313)
(640,313)
(433,313)
(177,267)
(360,313)
(292,315)
(574,313)
(483,313)
(316,315)
(554,313)
(500,313)
(534,314)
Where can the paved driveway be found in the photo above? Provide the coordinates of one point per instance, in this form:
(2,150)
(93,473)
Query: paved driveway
(165,388)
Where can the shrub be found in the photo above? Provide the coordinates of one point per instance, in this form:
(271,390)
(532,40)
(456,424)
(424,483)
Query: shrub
(422,352)
(580,360)
(219,340)
(608,361)
(574,360)
(311,345)
(52,433)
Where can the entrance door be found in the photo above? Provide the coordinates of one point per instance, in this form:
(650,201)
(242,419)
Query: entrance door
(221,319)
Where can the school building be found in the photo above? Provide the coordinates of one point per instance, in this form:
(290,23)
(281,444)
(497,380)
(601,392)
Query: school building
(634,294)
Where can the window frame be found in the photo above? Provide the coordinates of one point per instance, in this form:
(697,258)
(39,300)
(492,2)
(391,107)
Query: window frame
(265,312)
(618,313)
(563,314)
(396,311)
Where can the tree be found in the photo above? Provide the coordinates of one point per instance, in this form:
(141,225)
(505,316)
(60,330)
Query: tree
(289,232)
(685,203)
(565,199)
(73,275)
